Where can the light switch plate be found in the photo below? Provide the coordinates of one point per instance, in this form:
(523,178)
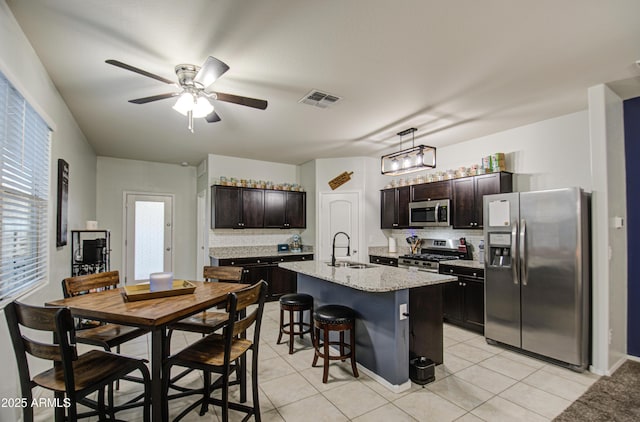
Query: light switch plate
(403,311)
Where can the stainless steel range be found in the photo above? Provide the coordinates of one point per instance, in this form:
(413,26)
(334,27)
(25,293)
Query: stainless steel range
(432,252)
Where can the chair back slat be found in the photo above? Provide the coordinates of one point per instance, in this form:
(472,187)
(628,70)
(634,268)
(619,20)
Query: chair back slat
(41,350)
(240,300)
(54,320)
(248,296)
(223,273)
(243,324)
(73,286)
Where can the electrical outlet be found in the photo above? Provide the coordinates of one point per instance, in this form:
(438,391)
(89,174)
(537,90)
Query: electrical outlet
(403,311)
(610,336)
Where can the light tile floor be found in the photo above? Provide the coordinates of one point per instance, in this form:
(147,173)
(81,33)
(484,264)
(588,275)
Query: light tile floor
(477,382)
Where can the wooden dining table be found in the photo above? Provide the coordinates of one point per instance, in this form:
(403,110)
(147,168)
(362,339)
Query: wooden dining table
(152,314)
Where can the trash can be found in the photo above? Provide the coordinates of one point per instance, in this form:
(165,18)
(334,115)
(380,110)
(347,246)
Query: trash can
(422,370)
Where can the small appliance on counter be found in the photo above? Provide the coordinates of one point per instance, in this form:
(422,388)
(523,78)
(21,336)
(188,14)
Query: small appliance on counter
(283,247)
(296,243)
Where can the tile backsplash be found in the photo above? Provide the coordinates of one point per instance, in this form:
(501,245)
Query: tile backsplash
(249,237)
(473,237)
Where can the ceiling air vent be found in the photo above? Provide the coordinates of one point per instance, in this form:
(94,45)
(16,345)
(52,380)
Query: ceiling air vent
(319,99)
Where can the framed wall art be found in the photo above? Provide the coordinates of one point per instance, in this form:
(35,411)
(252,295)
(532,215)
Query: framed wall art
(63,199)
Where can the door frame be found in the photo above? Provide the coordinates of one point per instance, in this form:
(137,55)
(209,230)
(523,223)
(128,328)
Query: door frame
(363,255)
(124,261)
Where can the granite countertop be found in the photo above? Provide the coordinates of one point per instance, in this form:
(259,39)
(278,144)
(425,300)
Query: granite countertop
(232,252)
(378,278)
(464,263)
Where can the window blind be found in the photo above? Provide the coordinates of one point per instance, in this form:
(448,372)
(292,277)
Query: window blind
(24,194)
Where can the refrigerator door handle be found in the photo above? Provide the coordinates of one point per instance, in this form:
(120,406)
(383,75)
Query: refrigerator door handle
(515,267)
(523,251)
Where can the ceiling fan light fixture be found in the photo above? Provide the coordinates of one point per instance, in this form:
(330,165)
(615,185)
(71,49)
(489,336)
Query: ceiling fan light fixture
(184,104)
(202,107)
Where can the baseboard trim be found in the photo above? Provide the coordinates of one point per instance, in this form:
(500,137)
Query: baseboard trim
(392,387)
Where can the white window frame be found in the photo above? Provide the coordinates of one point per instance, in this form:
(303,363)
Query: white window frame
(25,159)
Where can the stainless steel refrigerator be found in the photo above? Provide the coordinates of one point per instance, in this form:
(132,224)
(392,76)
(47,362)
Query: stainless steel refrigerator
(537,273)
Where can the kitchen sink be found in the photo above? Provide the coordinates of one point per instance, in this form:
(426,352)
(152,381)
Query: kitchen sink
(351,264)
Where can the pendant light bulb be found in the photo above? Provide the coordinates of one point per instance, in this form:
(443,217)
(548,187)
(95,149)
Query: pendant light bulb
(395,165)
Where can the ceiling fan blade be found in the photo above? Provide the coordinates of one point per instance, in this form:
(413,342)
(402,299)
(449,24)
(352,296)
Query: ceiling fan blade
(211,70)
(213,117)
(245,101)
(139,71)
(154,98)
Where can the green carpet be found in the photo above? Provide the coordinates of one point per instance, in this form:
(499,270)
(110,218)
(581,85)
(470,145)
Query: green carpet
(614,398)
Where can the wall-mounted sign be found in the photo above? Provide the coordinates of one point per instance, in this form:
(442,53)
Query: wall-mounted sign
(340,180)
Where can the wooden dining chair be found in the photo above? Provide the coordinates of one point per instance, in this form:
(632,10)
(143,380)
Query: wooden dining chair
(73,377)
(221,354)
(208,321)
(107,336)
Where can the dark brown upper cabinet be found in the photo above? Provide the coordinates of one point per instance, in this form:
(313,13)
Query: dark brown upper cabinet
(285,210)
(429,191)
(468,193)
(236,208)
(394,208)
(244,208)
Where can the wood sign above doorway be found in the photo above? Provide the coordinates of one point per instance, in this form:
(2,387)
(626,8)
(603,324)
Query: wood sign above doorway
(340,180)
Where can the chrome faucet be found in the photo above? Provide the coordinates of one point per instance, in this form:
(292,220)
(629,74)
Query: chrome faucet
(333,247)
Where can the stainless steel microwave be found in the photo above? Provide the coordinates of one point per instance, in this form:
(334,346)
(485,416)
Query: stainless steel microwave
(429,213)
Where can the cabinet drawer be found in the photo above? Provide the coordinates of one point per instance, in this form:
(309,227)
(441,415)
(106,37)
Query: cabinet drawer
(383,260)
(473,273)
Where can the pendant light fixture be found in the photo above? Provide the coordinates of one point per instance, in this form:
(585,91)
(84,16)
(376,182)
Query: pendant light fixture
(409,160)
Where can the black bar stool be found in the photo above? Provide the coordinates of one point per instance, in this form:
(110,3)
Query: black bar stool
(338,318)
(295,302)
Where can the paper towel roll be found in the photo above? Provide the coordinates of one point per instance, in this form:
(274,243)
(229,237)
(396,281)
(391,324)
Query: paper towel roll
(393,246)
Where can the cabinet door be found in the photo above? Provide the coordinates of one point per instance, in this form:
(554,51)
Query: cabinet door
(473,304)
(428,191)
(252,208)
(464,203)
(452,306)
(282,282)
(388,209)
(254,274)
(226,206)
(274,208)
(296,210)
(402,210)
(488,184)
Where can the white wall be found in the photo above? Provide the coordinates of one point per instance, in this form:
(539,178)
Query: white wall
(22,66)
(549,154)
(606,127)
(308,180)
(115,176)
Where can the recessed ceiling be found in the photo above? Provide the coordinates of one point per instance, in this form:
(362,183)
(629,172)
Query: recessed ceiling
(456,70)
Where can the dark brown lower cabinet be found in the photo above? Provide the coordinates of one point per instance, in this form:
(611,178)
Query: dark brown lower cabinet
(463,300)
(266,268)
(463,304)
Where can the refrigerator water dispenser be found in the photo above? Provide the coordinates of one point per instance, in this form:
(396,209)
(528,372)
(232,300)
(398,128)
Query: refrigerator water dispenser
(500,250)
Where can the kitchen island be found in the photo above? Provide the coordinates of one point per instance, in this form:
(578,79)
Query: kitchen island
(387,334)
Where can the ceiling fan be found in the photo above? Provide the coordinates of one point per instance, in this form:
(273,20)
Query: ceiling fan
(194,99)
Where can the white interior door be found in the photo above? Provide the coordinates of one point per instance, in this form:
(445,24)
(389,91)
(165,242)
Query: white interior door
(339,212)
(148,240)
